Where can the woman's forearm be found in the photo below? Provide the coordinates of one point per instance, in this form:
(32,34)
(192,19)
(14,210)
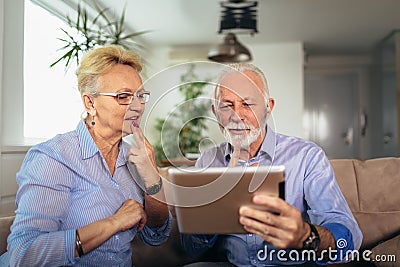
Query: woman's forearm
(95,234)
(156,209)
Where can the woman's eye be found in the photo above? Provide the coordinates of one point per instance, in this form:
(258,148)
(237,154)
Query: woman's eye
(124,96)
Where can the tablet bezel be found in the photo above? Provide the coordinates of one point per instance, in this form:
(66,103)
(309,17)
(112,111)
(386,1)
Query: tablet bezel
(220,216)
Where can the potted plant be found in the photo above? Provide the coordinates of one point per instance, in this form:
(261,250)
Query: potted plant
(183,129)
(89,34)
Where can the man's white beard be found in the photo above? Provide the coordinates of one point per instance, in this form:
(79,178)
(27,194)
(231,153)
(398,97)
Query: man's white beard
(245,139)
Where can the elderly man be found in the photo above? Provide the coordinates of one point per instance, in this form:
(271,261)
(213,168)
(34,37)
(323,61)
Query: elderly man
(314,217)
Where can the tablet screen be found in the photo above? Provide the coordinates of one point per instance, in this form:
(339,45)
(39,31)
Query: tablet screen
(207,201)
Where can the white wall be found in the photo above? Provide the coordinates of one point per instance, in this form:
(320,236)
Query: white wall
(11,112)
(282,64)
(12,79)
(1,68)
(1,90)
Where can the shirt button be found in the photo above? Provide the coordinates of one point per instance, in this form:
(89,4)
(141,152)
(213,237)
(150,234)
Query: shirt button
(250,234)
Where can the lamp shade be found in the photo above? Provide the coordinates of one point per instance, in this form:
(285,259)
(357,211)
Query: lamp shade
(231,50)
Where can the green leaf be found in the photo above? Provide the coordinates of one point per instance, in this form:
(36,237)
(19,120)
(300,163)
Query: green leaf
(135,34)
(101,31)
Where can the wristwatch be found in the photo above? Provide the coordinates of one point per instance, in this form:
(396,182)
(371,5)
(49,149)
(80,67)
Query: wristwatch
(154,189)
(312,242)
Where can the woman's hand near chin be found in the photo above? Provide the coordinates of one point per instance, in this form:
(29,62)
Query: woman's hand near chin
(142,155)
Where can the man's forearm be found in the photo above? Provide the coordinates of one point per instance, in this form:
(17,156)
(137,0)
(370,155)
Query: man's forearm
(327,241)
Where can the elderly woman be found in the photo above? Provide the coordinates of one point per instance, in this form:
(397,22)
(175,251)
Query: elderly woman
(78,203)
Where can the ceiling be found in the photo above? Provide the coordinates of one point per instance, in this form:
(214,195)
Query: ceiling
(324,26)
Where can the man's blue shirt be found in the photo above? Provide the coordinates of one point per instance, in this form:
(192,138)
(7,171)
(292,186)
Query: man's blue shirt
(310,186)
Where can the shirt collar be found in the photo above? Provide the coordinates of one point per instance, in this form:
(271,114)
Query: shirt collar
(267,147)
(123,153)
(89,148)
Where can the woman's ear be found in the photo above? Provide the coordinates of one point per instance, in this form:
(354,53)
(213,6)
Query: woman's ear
(88,102)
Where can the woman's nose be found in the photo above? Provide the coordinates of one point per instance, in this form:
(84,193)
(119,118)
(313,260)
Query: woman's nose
(135,105)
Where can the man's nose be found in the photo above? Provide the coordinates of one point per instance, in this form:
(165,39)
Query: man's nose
(237,114)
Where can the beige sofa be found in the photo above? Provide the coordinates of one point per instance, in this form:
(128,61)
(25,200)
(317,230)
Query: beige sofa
(371,189)
(5,223)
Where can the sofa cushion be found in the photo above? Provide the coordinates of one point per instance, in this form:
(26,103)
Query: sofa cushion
(370,188)
(169,253)
(5,224)
(387,253)
(347,180)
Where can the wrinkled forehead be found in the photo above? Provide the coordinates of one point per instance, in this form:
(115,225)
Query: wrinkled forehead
(244,85)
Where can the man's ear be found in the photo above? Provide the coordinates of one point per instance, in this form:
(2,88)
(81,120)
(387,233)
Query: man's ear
(213,110)
(216,116)
(270,105)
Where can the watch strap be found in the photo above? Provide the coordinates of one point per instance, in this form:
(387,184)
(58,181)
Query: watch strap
(313,240)
(155,188)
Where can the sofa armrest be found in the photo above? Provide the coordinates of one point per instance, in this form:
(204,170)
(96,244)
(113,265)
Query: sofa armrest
(5,224)
(387,253)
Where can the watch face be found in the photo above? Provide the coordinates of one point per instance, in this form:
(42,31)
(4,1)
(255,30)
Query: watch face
(154,189)
(312,242)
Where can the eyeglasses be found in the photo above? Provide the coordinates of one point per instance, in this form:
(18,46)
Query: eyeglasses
(126,98)
(229,107)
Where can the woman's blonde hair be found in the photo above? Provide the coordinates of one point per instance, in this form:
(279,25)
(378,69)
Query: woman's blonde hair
(99,61)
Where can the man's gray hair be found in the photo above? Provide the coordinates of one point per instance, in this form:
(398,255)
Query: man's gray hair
(241,67)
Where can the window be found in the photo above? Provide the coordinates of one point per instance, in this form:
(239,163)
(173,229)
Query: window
(52,102)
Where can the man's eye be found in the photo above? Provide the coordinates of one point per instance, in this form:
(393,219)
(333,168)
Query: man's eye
(248,104)
(140,96)
(225,106)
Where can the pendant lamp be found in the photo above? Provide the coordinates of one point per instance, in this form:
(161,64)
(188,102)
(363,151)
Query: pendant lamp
(238,16)
(231,50)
